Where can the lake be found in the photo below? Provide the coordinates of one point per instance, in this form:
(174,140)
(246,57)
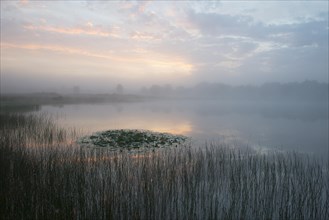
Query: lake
(297,126)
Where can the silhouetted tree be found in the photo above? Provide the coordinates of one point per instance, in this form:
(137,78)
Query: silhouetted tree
(76,89)
(119,89)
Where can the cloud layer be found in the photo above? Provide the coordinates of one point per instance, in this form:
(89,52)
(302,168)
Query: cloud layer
(140,43)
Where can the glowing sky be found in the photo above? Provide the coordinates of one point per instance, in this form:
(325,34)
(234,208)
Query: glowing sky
(51,45)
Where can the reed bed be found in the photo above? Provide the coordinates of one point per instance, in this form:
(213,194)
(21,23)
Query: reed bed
(56,179)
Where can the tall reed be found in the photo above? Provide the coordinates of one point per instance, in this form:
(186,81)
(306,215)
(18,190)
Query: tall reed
(58,180)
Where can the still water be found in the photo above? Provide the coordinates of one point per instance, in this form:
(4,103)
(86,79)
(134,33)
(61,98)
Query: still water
(297,126)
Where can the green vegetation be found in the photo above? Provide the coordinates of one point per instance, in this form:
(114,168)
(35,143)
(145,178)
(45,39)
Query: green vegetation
(131,139)
(44,175)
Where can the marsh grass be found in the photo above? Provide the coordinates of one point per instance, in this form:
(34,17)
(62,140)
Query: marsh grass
(58,180)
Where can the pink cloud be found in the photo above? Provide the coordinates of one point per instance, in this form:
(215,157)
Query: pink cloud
(55,48)
(88,30)
(148,59)
(144,36)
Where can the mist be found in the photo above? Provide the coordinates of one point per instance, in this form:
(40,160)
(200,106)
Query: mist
(219,58)
(164,109)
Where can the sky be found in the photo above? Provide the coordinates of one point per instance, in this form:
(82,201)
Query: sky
(56,45)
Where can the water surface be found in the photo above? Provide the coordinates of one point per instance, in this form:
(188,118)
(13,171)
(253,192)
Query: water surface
(298,126)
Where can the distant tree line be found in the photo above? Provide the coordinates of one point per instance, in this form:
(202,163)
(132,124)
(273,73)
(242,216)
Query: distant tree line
(307,90)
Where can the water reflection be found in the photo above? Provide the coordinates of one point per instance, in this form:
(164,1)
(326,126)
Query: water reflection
(290,126)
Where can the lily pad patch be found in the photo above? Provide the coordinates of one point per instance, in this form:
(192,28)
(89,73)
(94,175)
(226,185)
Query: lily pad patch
(131,139)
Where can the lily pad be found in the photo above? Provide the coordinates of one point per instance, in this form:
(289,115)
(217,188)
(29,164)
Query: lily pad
(131,139)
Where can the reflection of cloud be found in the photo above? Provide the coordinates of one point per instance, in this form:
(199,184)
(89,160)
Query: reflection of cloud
(124,120)
(133,119)
(183,128)
(89,30)
(23,2)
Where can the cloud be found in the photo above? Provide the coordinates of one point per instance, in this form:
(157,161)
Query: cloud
(137,35)
(202,41)
(214,24)
(88,30)
(153,62)
(55,48)
(303,33)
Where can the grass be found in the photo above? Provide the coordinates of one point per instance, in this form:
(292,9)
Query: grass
(44,175)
